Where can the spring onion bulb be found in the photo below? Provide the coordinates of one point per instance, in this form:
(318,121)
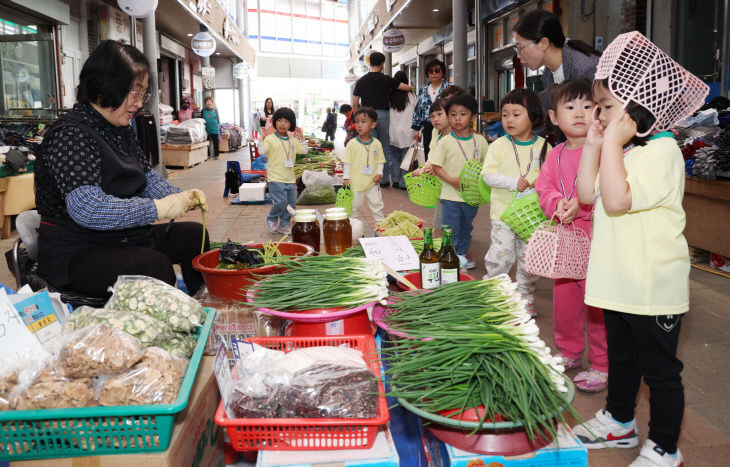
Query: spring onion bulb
(315,282)
(473,344)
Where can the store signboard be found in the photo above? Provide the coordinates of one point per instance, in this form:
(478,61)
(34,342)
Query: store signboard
(240,70)
(203,44)
(115,25)
(393,40)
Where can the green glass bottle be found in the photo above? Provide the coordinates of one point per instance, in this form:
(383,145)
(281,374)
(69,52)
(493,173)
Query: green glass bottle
(448,259)
(443,227)
(429,262)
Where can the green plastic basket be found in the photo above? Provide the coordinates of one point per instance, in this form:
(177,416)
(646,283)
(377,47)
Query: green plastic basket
(344,199)
(524,215)
(423,190)
(473,189)
(94,431)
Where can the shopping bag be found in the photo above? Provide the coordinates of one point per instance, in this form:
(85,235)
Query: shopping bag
(407,159)
(558,251)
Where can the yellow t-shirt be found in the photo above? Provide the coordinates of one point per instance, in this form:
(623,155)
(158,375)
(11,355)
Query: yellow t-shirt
(449,156)
(359,155)
(501,160)
(278,150)
(639,261)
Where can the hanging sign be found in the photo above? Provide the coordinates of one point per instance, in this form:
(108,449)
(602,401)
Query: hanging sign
(240,70)
(21,75)
(203,44)
(360,68)
(367,55)
(393,40)
(138,8)
(350,78)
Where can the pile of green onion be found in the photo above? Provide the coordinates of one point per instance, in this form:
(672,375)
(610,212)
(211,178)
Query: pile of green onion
(316,282)
(473,344)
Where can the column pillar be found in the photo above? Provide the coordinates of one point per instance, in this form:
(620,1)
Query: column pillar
(149,35)
(459,21)
(388,65)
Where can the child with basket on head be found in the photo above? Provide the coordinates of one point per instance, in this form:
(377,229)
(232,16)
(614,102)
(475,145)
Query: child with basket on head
(282,148)
(571,111)
(638,270)
(451,154)
(364,162)
(511,168)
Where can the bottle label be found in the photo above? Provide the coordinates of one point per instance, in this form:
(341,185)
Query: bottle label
(430,275)
(449,275)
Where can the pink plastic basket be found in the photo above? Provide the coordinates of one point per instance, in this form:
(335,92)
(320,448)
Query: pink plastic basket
(637,70)
(558,251)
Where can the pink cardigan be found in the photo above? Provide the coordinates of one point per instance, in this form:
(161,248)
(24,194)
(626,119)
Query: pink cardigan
(548,182)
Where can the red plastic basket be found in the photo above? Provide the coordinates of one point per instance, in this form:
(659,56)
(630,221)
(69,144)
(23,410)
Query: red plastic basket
(309,434)
(254,172)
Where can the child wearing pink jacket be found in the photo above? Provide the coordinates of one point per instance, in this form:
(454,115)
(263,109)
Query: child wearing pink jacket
(571,110)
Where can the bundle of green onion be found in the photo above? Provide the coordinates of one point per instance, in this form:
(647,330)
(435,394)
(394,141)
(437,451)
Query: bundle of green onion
(316,282)
(473,344)
(357,251)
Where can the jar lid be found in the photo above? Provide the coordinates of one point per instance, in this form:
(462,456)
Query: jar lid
(336,215)
(304,217)
(306,212)
(335,209)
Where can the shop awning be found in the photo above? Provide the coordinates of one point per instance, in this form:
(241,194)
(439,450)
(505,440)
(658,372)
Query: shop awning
(180,19)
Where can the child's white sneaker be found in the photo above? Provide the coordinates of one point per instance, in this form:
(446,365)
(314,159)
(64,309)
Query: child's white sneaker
(272,227)
(652,455)
(605,432)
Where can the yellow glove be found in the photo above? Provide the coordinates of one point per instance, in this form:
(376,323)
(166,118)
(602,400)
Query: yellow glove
(174,206)
(199,198)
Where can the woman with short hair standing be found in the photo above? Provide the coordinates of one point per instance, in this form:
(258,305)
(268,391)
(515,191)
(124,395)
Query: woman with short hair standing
(97,193)
(436,74)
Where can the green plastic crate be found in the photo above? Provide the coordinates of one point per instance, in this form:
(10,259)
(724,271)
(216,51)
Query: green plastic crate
(94,431)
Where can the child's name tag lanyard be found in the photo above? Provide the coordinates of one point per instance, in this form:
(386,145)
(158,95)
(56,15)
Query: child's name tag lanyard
(463,153)
(517,157)
(366,169)
(287,150)
(560,177)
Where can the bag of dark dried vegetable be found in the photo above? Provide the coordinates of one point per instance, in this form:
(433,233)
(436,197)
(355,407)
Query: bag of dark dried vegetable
(160,300)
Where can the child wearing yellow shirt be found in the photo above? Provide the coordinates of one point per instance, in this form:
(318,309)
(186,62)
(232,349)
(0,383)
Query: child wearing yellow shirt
(452,153)
(363,165)
(282,148)
(511,167)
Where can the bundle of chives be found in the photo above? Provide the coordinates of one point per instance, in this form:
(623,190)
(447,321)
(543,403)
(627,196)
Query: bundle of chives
(473,344)
(322,282)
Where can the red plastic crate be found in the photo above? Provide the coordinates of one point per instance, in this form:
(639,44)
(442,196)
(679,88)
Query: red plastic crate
(254,172)
(308,434)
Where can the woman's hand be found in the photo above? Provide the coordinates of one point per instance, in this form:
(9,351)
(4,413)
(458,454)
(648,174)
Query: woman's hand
(175,205)
(594,139)
(621,130)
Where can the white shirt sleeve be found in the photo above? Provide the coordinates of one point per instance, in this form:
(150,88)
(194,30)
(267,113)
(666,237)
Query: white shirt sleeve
(501,181)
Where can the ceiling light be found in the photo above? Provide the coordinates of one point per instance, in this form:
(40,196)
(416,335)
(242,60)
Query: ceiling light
(190,35)
(217,53)
(435,10)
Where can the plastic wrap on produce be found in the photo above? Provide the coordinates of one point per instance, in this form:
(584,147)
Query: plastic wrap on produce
(98,350)
(154,380)
(144,327)
(54,389)
(157,299)
(178,344)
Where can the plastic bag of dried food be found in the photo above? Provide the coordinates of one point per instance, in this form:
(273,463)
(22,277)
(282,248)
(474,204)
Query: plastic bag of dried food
(154,380)
(254,394)
(179,344)
(157,299)
(53,390)
(327,390)
(146,328)
(17,374)
(98,350)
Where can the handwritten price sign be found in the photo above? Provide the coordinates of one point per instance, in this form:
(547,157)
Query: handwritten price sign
(397,252)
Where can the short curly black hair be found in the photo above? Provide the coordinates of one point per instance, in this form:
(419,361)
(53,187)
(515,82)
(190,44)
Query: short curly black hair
(109,74)
(285,113)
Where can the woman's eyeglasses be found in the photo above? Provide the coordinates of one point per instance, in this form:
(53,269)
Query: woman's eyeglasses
(143,96)
(518,48)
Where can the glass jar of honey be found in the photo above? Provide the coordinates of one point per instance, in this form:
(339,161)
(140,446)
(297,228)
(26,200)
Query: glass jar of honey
(337,232)
(306,230)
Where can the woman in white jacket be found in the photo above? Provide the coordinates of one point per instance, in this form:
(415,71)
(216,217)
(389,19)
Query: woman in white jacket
(402,105)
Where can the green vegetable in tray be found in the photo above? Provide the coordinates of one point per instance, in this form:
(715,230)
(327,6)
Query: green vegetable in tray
(318,194)
(157,299)
(178,344)
(479,347)
(144,327)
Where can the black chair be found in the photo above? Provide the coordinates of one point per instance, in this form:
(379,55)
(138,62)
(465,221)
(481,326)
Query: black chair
(22,261)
